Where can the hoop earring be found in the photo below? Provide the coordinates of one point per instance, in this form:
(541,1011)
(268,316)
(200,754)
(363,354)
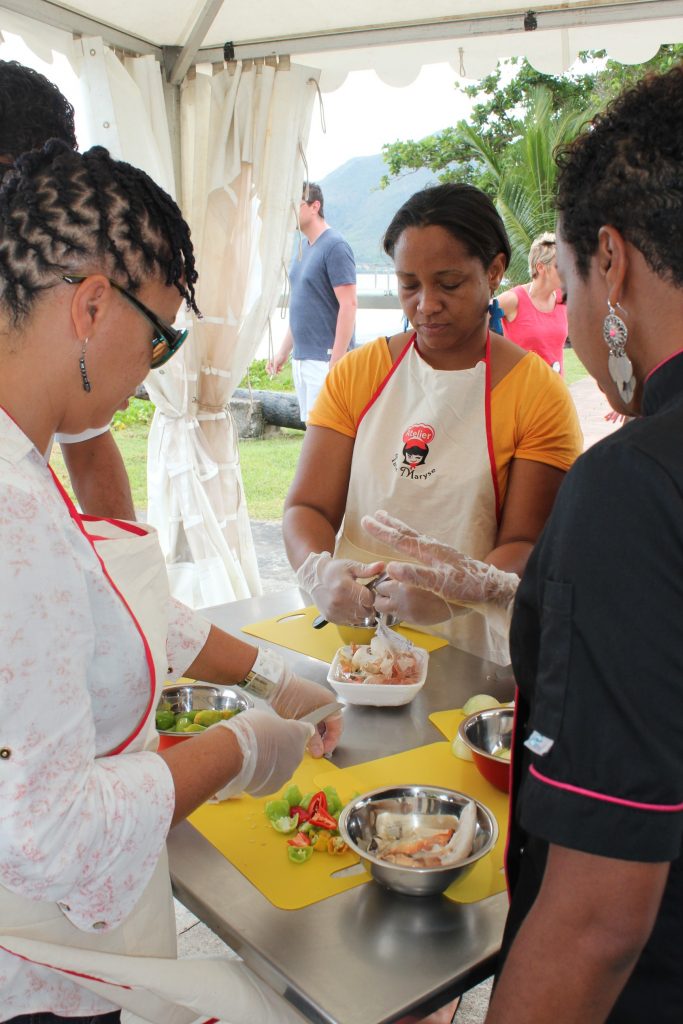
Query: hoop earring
(615,333)
(81,366)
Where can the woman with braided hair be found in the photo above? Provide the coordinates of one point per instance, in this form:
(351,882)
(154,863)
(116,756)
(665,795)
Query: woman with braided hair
(94,260)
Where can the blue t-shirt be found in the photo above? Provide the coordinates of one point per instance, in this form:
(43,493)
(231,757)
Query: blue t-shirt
(313,308)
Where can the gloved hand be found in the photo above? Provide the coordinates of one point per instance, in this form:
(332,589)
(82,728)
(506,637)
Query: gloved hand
(450,575)
(271,751)
(333,585)
(294,696)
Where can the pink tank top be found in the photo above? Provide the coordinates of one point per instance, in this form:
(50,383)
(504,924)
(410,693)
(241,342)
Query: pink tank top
(544,333)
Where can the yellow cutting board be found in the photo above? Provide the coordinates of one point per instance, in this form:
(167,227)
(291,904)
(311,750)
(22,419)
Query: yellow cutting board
(435,765)
(294,630)
(240,830)
(447,722)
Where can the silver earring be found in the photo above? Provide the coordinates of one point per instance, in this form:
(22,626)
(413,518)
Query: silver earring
(615,333)
(81,366)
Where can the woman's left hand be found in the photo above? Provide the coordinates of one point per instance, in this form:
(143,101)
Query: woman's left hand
(409,603)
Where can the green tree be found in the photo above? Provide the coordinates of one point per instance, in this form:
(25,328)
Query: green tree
(507,146)
(502,100)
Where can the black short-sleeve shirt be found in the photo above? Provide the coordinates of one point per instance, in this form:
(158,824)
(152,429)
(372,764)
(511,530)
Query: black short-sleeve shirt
(597,648)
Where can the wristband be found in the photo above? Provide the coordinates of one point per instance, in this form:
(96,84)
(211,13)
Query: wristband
(265,676)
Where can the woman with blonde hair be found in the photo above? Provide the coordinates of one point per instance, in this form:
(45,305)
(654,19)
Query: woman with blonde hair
(535,315)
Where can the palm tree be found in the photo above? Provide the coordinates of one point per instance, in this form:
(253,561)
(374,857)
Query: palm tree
(521,180)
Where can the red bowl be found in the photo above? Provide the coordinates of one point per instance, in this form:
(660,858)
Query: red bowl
(485,732)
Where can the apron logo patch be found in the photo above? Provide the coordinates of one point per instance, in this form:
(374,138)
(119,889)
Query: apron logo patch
(539,744)
(416,441)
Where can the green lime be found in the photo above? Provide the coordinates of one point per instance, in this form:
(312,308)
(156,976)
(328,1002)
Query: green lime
(181,723)
(165,719)
(207,717)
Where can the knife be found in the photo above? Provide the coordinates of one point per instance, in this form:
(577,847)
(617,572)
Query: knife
(319,714)
(319,621)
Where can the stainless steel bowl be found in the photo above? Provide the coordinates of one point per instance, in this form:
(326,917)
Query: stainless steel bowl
(357,826)
(204,697)
(487,734)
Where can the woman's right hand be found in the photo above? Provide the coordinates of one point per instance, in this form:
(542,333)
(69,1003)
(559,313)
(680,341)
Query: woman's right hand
(333,585)
(271,747)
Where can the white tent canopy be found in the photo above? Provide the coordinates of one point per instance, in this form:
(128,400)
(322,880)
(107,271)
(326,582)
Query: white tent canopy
(229,140)
(388,36)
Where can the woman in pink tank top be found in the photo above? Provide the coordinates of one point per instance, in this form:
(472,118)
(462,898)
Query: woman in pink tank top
(535,316)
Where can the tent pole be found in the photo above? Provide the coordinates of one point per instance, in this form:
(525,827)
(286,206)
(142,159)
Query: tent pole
(80,24)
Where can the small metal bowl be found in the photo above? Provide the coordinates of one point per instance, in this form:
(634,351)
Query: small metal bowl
(357,827)
(199,697)
(484,733)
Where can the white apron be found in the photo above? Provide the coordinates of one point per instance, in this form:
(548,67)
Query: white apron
(133,966)
(424,452)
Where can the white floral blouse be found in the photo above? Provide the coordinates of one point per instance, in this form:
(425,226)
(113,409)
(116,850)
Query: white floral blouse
(77,827)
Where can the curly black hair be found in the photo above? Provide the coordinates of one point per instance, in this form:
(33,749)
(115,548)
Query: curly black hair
(66,212)
(32,110)
(626,169)
(464,211)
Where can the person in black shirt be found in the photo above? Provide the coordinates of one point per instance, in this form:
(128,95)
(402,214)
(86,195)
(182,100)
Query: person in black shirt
(595,852)
(595,930)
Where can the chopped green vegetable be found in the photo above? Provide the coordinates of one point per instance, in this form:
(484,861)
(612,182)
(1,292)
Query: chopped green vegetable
(334,804)
(276,809)
(305,800)
(299,854)
(285,825)
(292,796)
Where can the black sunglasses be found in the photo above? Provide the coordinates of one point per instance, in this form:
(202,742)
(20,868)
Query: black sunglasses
(167,340)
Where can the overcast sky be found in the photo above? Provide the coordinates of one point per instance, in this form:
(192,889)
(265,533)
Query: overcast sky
(364,113)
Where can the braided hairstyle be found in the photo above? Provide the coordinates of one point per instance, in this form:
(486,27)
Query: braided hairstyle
(66,212)
(625,170)
(32,110)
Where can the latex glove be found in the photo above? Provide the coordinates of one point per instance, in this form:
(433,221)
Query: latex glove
(333,585)
(295,696)
(440,569)
(410,603)
(271,751)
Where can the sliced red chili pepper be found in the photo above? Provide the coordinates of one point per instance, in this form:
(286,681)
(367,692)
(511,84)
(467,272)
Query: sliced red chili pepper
(303,814)
(318,802)
(321,819)
(300,839)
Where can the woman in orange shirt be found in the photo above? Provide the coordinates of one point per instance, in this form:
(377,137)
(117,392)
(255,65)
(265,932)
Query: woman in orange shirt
(457,431)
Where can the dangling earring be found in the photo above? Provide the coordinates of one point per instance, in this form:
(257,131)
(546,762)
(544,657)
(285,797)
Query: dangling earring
(81,366)
(615,333)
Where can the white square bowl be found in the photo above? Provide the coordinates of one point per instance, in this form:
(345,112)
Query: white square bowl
(379,695)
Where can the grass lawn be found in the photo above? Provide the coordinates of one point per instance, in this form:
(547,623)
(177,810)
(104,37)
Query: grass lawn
(267,466)
(573,369)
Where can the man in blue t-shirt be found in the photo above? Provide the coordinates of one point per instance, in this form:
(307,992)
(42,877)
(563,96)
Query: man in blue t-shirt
(322,308)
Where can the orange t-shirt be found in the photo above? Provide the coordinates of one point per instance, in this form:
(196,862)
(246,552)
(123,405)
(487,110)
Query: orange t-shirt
(532,413)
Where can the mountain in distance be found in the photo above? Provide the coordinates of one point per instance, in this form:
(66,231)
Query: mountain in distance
(358,208)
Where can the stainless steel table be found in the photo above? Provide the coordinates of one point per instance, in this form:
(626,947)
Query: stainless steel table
(365,956)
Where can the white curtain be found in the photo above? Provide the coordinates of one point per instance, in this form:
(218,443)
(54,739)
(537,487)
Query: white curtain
(125,109)
(242,134)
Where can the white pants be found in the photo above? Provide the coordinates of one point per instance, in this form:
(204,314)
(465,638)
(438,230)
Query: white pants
(309,377)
